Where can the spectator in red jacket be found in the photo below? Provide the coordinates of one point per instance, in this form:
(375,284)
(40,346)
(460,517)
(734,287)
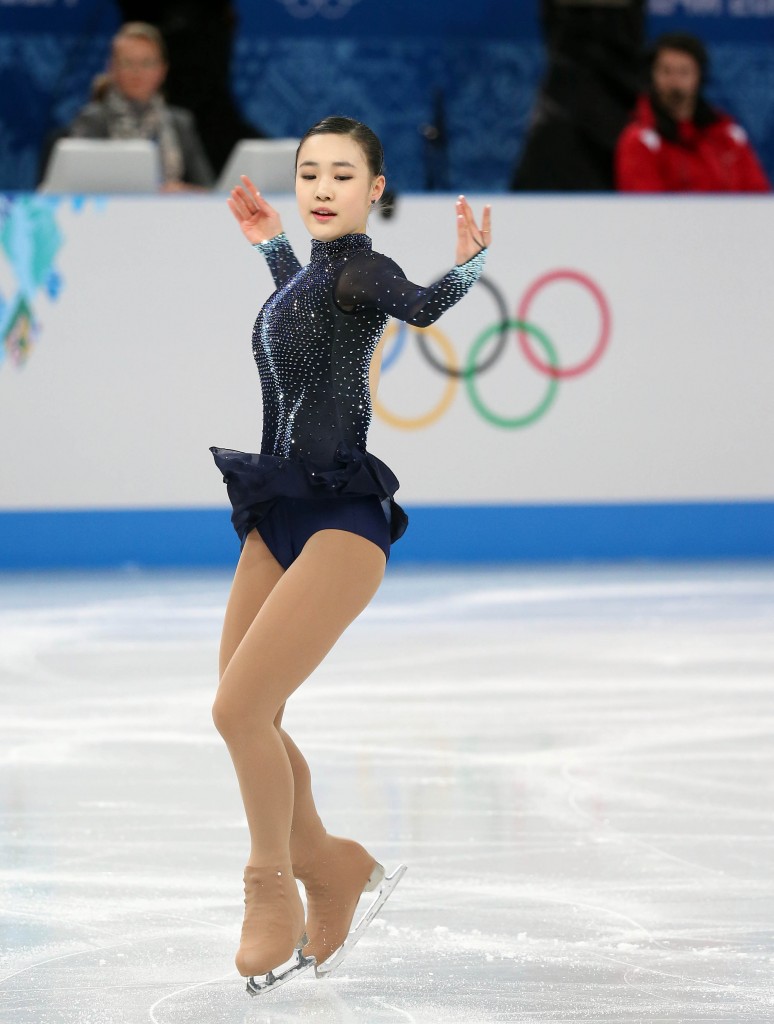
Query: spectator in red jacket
(677,142)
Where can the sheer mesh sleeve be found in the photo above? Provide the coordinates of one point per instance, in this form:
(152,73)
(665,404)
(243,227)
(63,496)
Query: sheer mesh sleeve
(280,258)
(370,280)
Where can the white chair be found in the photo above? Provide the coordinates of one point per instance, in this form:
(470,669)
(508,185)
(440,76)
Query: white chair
(103,165)
(270,163)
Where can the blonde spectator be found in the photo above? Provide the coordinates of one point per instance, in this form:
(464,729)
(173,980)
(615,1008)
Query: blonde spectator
(127,103)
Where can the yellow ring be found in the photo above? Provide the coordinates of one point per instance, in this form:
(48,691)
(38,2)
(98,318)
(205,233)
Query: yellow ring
(452,383)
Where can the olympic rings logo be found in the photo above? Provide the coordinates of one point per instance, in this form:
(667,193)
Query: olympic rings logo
(331,9)
(487,348)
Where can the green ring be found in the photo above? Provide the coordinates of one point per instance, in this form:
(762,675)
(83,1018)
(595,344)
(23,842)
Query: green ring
(469,375)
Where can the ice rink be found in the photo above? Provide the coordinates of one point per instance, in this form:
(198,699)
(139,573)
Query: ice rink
(576,765)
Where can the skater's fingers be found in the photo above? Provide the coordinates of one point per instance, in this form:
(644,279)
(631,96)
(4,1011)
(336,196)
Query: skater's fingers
(474,232)
(486,225)
(248,199)
(250,187)
(240,202)
(233,207)
(470,219)
(255,195)
(460,210)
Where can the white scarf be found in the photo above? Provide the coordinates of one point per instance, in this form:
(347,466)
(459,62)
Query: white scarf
(129,120)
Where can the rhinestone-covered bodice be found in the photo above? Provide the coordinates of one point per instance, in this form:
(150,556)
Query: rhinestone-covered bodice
(314,359)
(314,339)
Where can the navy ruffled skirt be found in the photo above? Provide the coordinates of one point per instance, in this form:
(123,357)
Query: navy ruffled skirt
(255,482)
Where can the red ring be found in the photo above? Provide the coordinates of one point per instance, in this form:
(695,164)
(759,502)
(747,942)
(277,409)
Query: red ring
(604,334)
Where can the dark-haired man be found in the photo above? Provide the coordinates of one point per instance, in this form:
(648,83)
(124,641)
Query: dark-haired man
(677,142)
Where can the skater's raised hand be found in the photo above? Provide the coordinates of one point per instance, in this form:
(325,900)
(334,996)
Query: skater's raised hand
(258,220)
(471,239)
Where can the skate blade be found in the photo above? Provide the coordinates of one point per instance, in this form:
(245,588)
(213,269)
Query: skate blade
(261,983)
(386,886)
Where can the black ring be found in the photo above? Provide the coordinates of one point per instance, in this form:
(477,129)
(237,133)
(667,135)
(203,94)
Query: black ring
(492,358)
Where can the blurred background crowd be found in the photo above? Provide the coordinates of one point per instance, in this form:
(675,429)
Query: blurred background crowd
(544,95)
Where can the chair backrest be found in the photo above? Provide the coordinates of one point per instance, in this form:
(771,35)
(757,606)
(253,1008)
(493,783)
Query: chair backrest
(270,163)
(103,165)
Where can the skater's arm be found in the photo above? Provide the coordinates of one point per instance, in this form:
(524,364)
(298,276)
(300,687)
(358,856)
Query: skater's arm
(261,225)
(280,258)
(371,280)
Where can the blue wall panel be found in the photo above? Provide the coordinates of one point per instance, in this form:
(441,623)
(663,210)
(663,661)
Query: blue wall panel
(538,533)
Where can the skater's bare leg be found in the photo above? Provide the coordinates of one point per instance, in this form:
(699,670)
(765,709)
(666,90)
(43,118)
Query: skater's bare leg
(333,870)
(304,613)
(255,578)
(300,619)
(256,575)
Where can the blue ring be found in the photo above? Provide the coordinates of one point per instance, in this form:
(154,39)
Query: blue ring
(397,346)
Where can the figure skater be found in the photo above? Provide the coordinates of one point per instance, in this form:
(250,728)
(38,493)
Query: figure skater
(316,515)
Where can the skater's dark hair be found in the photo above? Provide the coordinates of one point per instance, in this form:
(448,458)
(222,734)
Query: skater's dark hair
(361,133)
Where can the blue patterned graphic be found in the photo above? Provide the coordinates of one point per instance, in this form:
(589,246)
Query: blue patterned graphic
(287,84)
(388,64)
(332,9)
(29,243)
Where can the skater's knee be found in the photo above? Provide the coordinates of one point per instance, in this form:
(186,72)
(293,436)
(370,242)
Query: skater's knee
(222,716)
(234,716)
(231,716)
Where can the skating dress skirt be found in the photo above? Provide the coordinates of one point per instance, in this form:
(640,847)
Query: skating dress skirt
(313,341)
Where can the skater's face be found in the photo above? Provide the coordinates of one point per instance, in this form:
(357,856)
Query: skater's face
(137,68)
(335,188)
(676,81)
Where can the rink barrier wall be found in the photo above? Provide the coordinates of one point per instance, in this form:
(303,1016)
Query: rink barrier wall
(637,426)
(80,539)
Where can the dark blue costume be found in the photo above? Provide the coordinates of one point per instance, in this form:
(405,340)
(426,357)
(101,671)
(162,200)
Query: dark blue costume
(313,342)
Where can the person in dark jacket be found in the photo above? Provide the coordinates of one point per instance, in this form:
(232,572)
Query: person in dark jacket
(587,95)
(127,103)
(676,141)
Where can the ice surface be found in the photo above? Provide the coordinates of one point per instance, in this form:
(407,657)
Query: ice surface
(575,764)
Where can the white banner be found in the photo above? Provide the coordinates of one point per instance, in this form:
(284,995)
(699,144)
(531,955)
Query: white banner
(641,369)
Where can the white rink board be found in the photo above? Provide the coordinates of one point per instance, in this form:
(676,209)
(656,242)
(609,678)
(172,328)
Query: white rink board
(144,359)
